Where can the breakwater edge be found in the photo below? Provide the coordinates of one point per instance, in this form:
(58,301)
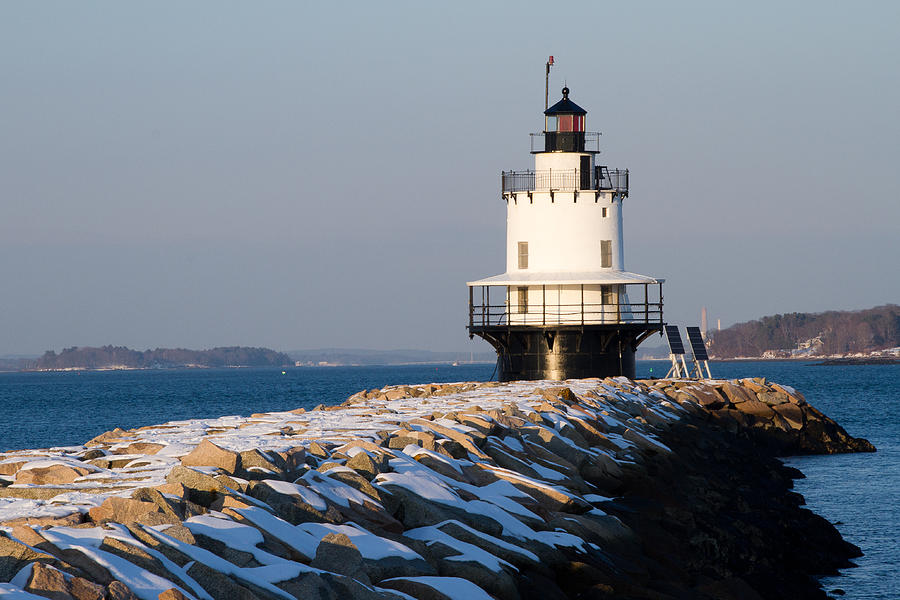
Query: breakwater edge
(588,489)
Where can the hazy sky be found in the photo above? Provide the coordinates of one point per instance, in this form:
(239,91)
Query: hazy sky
(300,175)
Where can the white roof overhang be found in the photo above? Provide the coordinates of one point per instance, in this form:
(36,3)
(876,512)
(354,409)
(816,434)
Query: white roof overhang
(566,278)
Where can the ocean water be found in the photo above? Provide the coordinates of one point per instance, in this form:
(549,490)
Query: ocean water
(860,493)
(68,408)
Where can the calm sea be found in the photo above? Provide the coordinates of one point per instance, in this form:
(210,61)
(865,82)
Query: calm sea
(857,492)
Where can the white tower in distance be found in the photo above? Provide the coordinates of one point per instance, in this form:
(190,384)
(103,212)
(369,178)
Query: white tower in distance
(562,309)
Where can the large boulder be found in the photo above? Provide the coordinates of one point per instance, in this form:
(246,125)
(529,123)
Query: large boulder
(218,585)
(127,510)
(337,553)
(294,508)
(109,437)
(207,454)
(14,555)
(201,488)
(51,475)
(51,583)
(363,464)
(116,590)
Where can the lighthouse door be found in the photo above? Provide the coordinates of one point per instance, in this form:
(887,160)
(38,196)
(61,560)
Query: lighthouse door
(585,173)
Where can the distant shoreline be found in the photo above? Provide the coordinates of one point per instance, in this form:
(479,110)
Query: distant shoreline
(875,360)
(276,367)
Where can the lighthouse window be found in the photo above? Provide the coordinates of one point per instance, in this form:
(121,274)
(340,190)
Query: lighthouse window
(523,255)
(604,212)
(608,293)
(570,123)
(523,300)
(605,253)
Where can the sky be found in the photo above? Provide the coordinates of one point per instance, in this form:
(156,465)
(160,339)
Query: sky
(303,175)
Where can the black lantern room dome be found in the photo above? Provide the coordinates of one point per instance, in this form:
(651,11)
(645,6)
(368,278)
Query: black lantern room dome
(564,126)
(565,106)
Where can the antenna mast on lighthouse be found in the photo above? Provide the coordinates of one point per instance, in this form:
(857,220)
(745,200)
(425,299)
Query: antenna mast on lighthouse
(547,83)
(547,89)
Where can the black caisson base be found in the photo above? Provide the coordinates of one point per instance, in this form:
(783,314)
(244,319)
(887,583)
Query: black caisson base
(525,353)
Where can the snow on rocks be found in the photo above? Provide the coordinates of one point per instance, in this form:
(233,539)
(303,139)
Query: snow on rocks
(432,491)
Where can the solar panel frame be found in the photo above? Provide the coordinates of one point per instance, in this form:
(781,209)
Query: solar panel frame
(673,337)
(697,344)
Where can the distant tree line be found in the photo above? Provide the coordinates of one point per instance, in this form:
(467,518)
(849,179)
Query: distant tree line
(84,357)
(838,332)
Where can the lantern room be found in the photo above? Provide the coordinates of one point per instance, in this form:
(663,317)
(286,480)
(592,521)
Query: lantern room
(564,126)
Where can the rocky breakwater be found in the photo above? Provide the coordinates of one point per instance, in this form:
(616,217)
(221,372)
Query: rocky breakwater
(527,490)
(775,417)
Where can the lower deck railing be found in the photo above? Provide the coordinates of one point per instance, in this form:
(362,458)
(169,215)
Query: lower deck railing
(511,309)
(493,315)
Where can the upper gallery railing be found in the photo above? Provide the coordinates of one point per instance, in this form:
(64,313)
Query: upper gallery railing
(602,179)
(587,141)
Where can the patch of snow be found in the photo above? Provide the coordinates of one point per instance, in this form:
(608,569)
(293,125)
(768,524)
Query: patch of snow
(21,578)
(370,545)
(12,592)
(454,588)
(234,535)
(594,498)
(308,495)
(467,552)
(336,491)
(513,443)
(299,540)
(493,540)
(426,485)
(263,577)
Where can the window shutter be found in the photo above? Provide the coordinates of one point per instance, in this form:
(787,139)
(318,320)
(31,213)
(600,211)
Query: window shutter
(605,253)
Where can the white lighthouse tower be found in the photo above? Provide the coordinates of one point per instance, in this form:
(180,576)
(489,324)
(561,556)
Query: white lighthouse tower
(564,307)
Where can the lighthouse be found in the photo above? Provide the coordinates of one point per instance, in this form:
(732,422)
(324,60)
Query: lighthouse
(565,307)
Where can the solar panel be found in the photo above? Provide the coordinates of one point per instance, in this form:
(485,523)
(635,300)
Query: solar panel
(697,345)
(676,346)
